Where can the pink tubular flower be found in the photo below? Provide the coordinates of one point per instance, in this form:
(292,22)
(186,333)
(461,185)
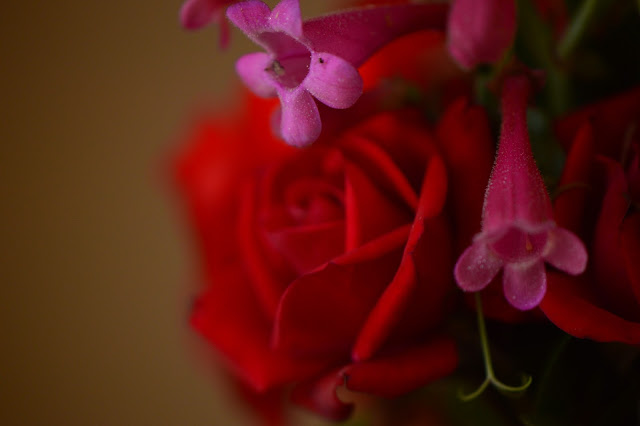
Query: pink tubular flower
(318,58)
(196,14)
(518,232)
(480,31)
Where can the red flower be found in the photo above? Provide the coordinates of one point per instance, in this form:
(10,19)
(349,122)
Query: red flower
(600,203)
(332,265)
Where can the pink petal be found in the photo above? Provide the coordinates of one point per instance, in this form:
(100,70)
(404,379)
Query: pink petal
(333,81)
(251,69)
(476,267)
(524,285)
(300,124)
(195,14)
(480,31)
(516,191)
(225,33)
(286,17)
(356,34)
(251,17)
(566,251)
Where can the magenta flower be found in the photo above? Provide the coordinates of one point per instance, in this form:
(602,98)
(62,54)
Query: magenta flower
(318,58)
(480,31)
(518,232)
(196,14)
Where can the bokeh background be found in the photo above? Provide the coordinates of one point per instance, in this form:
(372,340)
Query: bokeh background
(96,265)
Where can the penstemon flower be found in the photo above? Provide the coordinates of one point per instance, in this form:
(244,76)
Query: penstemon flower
(196,14)
(318,58)
(480,31)
(518,231)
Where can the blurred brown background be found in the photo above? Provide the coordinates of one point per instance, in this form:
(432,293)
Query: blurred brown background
(95,261)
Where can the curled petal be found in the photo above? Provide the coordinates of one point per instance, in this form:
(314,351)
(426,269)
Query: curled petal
(319,395)
(251,69)
(286,17)
(525,285)
(476,267)
(251,17)
(300,124)
(333,81)
(566,252)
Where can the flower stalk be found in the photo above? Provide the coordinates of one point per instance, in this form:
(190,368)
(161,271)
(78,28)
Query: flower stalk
(490,378)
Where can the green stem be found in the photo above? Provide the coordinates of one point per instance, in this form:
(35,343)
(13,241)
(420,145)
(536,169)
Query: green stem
(490,378)
(577,28)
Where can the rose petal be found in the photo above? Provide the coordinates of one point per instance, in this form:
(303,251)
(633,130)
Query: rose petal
(319,396)
(380,167)
(397,374)
(251,69)
(300,124)
(322,312)
(610,118)
(476,267)
(228,315)
(566,251)
(360,195)
(286,17)
(333,81)
(466,143)
(524,285)
(267,283)
(251,17)
(390,307)
(307,247)
(606,252)
(568,306)
(630,234)
(570,203)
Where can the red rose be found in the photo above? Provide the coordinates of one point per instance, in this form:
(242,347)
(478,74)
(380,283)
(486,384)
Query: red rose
(599,201)
(333,265)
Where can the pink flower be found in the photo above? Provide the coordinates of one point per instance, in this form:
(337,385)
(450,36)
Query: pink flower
(518,231)
(196,14)
(318,58)
(481,31)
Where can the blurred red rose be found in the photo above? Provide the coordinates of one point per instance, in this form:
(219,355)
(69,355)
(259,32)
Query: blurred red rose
(598,200)
(332,265)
